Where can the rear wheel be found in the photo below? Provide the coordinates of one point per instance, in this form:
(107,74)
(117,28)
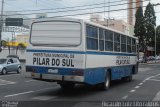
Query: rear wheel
(128,78)
(105,85)
(67,85)
(19,70)
(4,71)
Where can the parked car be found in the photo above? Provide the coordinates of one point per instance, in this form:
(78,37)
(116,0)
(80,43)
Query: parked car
(141,60)
(12,56)
(10,65)
(150,58)
(157,57)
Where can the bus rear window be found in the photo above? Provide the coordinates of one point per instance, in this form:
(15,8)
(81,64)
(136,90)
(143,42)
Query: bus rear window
(56,33)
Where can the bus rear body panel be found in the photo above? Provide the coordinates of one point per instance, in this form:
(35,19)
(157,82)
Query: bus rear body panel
(56,65)
(56,51)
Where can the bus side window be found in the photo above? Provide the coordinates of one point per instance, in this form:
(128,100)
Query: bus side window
(128,44)
(116,42)
(92,37)
(123,43)
(108,40)
(137,48)
(101,39)
(133,45)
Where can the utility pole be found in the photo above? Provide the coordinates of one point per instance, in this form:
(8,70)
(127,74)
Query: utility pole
(1,25)
(108,14)
(104,8)
(155,43)
(155,35)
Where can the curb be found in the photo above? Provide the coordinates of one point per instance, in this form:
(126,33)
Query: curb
(149,63)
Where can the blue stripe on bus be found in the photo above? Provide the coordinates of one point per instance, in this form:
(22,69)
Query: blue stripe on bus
(92,75)
(81,52)
(44,70)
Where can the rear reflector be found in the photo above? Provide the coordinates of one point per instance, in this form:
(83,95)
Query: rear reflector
(78,72)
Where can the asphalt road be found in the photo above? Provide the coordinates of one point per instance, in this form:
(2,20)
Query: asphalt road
(17,87)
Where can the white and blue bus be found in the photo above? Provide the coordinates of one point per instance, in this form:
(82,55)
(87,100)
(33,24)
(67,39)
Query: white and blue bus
(70,51)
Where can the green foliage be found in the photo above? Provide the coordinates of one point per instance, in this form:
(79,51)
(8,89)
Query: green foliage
(139,28)
(21,46)
(150,23)
(145,27)
(3,43)
(158,33)
(158,38)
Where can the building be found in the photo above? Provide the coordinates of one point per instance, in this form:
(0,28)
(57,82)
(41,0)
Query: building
(132,8)
(19,39)
(23,38)
(118,25)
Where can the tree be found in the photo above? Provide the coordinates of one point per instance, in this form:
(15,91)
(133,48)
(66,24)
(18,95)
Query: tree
(158,33)
(3,43)
(139,29)
(158,38)
(21,46)
(150,23)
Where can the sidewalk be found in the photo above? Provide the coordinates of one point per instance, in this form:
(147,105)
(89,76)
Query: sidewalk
(152,62)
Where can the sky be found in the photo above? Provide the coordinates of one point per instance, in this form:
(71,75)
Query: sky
(59,8)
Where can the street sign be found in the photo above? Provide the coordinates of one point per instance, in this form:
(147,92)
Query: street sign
(14,22)
(14,29)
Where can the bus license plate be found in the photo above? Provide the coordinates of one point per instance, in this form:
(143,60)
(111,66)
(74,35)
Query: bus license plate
(54,71)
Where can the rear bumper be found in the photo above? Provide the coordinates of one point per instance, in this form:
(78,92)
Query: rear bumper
(55,77)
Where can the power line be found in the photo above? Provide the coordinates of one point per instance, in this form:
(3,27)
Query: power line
(67,7)
(87,13)
(46,3)
(120,17)
(72,9)
(41,3)
(11,5)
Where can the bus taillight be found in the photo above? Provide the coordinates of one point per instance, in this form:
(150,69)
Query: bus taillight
(78,72)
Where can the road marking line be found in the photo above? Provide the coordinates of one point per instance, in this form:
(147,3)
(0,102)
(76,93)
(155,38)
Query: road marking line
(1,80)
(155,76)
(125,97)
(9,75)
(28,92)
(132,91)
(140,83)
(46,88)
(150,77)
(144,81)
(155,80)
(30,80)
(44,98)
(7,83)
(137,87)
(19,94)
(157,97)
(4,82)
